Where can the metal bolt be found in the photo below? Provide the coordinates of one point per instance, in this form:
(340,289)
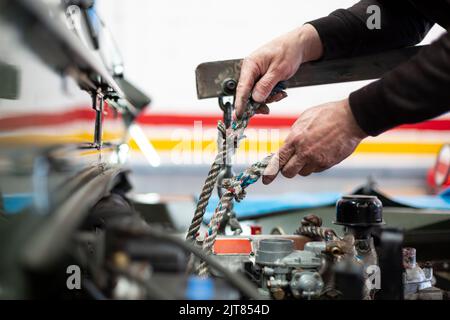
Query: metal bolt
(229,86)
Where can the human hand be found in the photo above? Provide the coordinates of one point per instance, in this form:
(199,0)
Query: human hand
(321,137)
(276,61)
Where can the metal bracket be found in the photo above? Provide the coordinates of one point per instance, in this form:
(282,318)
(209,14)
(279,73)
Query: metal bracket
(212,76)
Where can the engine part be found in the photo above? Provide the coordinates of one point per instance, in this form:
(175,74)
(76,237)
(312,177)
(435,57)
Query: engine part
(279,253)
(271,251)
(360,214)
(285,271)
(306,284)
(311,226)
(346,267)
(415,278)
(359,211)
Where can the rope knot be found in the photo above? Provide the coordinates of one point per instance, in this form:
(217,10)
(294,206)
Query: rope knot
(235,187)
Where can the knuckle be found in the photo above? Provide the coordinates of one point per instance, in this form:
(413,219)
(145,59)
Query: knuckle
(320,160)
(283,156)
(251,64)
(295,139)
(248,61)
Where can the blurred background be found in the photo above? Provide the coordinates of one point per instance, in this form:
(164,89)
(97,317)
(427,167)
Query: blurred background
(162,42)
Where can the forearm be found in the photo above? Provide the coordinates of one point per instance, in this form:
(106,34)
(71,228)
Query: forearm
(415,91)
(344,33)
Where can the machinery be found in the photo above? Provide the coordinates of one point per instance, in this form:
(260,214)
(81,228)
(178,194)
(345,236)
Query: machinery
(69,228)
(317,263)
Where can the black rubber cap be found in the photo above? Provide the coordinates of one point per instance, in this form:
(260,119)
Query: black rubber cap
(359,211)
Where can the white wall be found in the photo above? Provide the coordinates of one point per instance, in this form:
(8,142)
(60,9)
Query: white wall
(163,41)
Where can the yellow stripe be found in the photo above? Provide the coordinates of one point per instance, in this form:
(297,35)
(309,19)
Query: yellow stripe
(210,145)
(398,147)
(254,146)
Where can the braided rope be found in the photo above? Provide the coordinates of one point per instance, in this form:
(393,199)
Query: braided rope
(230,141)
(208,186)
(235,190)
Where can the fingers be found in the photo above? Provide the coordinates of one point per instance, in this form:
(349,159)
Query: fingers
(264,109)
(249,74)
(292,167)
(278,161)
(265,85)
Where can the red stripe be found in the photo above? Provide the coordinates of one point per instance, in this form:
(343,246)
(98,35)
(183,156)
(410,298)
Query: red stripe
(262,121)
(211,120)
(40,120)
(436,125)
(49,119)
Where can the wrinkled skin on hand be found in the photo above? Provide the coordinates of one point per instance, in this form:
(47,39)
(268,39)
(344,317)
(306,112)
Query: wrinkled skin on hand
(321,137)
(276,61)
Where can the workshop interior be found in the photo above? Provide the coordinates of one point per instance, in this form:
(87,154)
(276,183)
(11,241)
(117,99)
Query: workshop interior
(117,180)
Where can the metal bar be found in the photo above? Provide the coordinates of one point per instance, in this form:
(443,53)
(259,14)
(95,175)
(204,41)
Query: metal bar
(211,76)
(97,100)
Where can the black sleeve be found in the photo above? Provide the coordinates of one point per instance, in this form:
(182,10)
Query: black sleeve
(417,90)
(344,32)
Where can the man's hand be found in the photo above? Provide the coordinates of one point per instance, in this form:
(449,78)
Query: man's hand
(276,61)
(321,137)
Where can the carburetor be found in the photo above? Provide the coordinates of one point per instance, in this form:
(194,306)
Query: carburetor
(282,269)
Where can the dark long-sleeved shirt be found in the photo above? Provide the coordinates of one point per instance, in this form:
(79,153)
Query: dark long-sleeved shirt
(418,89)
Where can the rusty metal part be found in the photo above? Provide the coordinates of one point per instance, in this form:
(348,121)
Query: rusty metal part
(342,246)
(317,232)
(311,220)
(335,250)
(211,76)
